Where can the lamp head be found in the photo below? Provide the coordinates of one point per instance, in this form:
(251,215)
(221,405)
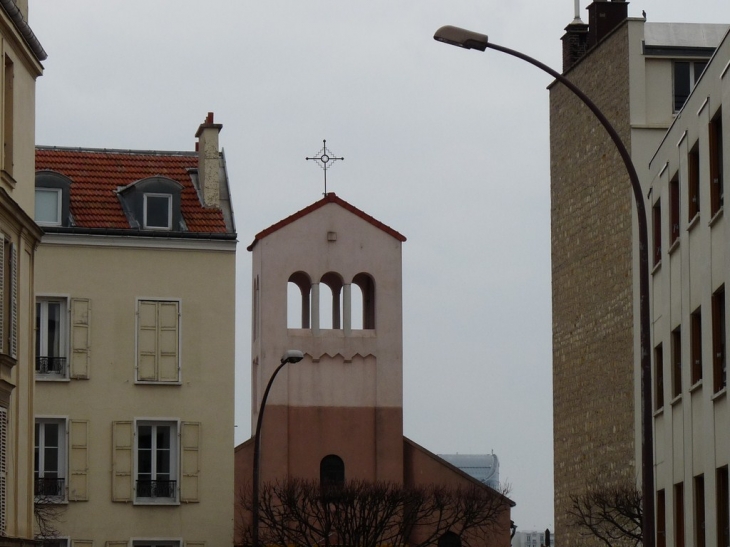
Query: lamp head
(461,37)
(292,356)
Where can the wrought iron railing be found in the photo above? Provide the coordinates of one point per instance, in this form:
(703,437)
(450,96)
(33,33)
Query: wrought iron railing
(50,365)
(49,488)
(156,489)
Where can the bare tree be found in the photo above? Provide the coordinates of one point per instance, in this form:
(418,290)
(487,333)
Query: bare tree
(46,513)
(610,514)
(368,514)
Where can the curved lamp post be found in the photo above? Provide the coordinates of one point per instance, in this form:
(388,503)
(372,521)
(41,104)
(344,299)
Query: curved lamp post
(291,356)
(473,40)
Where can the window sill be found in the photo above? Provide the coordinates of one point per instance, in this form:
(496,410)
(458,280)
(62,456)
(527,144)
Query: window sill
(50,500)
(696,386)
(677,399)
(719,395)
(692,223)
(51,378)
(715,217)
(8,179)
(157,383)
(656,268)
(674,246)
(157,501)
(658,412)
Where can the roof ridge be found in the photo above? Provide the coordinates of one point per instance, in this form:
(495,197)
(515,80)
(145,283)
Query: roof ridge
(117,151)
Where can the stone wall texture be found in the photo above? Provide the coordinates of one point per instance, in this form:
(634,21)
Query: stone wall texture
(591,214)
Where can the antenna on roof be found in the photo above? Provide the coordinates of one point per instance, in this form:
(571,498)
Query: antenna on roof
(323,158)
(577,18)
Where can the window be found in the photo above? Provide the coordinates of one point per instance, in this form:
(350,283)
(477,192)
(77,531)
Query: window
(156,462)
(298,300)
(8,297)
(679,514)
(50,347)
(332,471)
(674,209)
(48,206)
(50,460)
(158,327)
(330,304)
(693,182)
(8,109)
(659,377)
(686,74)
(677,362)
(719,366)
(366,285)
(661,520)
(723,519)
(716,182)
(158,211)
(699,510)
(54,542)
(3,467)
(696,345)
(657,220)
(150,456)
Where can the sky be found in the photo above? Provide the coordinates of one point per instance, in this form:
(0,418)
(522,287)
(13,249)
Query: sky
(447,146)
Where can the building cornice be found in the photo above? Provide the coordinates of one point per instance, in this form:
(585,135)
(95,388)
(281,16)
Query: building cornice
(174,244)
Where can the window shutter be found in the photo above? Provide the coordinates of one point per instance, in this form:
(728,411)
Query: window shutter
(80,338)
(13,341)
(82,543)
(146,341)
(3,288)
(78,484)
(168,342)
(190,444)
(3,465)
(122,439)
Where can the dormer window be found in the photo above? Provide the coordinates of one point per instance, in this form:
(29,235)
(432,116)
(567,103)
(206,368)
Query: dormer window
(52,199)
(153,204)
(158,211)
(48,206)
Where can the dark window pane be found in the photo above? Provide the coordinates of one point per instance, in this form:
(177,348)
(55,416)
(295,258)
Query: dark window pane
(681,84)
(158,211)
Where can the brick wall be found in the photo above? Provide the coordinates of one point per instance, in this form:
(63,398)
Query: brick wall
(591,212)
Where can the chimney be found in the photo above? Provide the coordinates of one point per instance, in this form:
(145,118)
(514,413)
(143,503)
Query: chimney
(575,43)
(209,167)
(603,17)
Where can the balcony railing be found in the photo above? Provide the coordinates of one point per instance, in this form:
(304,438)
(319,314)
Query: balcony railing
(50,365)
(49,488)
(156,489)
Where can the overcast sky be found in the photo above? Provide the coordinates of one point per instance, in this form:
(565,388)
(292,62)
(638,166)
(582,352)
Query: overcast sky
(447,146)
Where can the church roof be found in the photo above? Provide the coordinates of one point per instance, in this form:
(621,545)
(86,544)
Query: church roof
(330,197)
(97,174)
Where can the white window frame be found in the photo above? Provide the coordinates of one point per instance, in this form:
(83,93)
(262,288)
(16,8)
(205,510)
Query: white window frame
(169,211)
(59,207)
(62,422)
(63,334)
(179,341)
(175,459)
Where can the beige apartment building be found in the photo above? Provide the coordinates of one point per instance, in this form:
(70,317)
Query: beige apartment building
(690,236)
(21,55)
(134,370)
(639,73)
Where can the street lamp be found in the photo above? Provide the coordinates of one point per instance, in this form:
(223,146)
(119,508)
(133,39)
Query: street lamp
(467,39)
(290,356)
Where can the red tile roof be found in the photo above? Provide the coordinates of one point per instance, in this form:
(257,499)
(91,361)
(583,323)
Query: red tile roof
(97,174)
(329,198)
